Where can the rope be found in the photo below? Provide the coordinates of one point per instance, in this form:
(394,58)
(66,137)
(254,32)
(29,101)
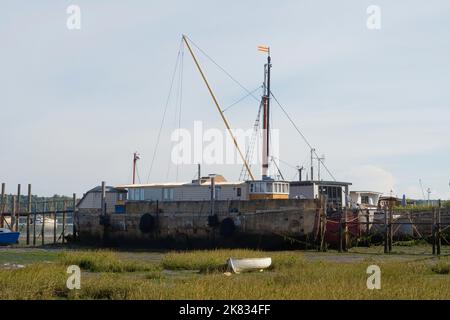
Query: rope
(223,69)
(165,111)
(241,99)
(302,135)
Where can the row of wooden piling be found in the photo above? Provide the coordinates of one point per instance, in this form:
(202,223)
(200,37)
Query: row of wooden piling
(388,230)
(28,213)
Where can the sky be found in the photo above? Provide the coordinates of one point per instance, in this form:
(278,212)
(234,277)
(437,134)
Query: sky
(76,104)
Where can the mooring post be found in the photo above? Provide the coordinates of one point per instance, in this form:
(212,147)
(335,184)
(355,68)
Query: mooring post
(28,214)
(55,204)
(340,232)
(433,231)
(74,206)
(439,240)
(324,229)
(103,197)
(34,223)
(43,223)
(18,207)
(2,205)
(63,233)
(391,236)
(368,227)
(386,247)
(346,233)
(13,214)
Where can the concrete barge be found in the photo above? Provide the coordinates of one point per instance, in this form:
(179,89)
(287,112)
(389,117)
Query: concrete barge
(265,224)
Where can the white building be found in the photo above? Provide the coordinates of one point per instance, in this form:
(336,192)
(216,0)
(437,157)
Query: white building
(365,199)
(337,193)
(200,190)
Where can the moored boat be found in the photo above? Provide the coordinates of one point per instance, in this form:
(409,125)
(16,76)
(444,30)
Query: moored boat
(8,237)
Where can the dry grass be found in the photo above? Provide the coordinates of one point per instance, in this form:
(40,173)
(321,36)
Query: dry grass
(291,278)
(102,261)
(215,261)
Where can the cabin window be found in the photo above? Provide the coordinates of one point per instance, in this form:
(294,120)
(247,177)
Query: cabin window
(252,187)
(263,187)
(238,192)
(365,199)
(168,194)
(269,187)
(136,194)
(217,192)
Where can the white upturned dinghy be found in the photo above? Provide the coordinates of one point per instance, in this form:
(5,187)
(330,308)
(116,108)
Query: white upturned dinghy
(243,265)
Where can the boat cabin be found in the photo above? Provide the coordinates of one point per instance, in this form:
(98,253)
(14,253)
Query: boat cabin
(336,193)
(268,189)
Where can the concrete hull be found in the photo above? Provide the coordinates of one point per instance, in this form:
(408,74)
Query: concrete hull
(265,224)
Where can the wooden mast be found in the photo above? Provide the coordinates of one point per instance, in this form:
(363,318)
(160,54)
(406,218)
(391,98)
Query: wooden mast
(218,108)
(266,119)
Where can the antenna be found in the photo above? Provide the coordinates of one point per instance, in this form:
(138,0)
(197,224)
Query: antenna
(300,169)
(136,157)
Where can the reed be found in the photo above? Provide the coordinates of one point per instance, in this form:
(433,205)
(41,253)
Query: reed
(103,261)
(292,277)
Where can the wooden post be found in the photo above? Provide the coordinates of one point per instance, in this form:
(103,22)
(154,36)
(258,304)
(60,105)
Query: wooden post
(63,233)
(386,233)
(324,230)
(2,204)
(55,213)
(340,233)
(433,230)
(391,220)
(13,214)
(18,207)
(368,227)
(74,206)
(28,214)
(34,224)
(439,239)
(43,224)
(346,234)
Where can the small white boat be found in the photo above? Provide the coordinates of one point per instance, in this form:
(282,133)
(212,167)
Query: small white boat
(242,265)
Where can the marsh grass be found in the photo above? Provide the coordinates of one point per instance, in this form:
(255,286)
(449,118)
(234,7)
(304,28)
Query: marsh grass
(106,276)
(103,261)
(216,260)
(442,267)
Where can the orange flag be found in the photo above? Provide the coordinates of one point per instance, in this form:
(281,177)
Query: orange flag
(263,49)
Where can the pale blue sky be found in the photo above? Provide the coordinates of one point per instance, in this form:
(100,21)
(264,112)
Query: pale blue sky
(75,105)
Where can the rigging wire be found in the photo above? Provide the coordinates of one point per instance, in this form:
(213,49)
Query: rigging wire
(137,173)
(223,69)
(181,99)
(177,109)
(250,93)
(278,168)
(164,114)
(302,135)
(241,99)
(250,149)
